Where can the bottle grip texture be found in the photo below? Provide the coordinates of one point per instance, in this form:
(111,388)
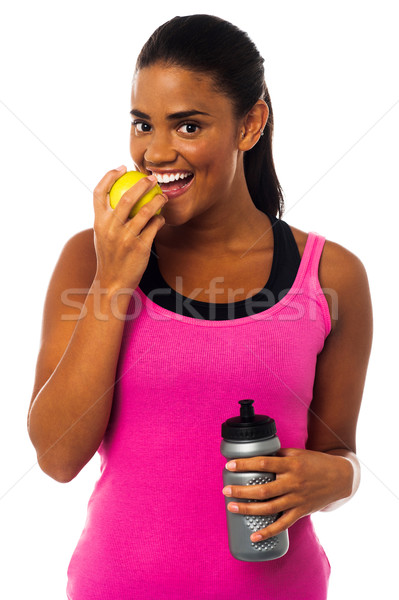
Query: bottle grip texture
(256,522)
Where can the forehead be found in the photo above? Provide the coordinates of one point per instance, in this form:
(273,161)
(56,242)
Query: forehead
(171,88)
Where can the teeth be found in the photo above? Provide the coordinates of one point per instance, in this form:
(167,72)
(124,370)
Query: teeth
(168,177)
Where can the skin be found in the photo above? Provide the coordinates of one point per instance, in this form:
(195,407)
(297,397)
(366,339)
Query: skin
(207,231)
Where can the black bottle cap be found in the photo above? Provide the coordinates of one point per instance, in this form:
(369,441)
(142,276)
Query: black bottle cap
(248,426)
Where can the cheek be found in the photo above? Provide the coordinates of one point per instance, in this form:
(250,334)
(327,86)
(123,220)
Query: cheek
(210,155)
(221,160)
(137,148)
(196,153)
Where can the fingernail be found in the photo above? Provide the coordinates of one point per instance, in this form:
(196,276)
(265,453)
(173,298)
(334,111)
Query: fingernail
(233,507)
(231,465)
(227,491)
(152,177)
(255,537)
(121,168)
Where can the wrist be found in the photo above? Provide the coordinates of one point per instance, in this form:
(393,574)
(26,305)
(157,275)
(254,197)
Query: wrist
(349,468)
(111,287)
(111,297)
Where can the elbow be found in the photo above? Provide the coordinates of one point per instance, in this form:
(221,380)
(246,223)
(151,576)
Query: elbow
(56,472)
(52,467)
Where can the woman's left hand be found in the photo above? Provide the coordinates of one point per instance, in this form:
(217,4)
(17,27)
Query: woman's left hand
(306,481)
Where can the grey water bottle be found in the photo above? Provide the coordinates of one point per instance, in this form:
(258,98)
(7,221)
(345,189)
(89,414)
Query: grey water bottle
(245,436)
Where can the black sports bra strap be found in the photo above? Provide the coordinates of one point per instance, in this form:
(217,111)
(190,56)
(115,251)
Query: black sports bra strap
(286,260)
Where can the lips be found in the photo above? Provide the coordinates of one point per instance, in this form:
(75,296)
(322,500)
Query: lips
(177,185)
(174,183)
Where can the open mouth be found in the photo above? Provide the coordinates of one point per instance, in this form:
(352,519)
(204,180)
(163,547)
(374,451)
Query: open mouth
(174,183)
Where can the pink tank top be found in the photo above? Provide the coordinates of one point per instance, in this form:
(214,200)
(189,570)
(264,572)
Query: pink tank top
(156,521)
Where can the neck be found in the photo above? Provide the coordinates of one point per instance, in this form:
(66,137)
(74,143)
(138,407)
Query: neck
(232,226)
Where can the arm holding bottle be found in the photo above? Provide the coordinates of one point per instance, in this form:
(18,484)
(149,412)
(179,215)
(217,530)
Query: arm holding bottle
(326,474)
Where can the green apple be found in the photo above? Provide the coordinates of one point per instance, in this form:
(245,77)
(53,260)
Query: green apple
(124,183)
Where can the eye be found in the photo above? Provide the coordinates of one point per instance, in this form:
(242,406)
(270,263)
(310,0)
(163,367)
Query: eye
(190,128)
(141,126)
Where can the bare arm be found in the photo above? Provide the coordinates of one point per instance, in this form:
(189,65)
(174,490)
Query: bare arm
(326,474)
(342,365)
(75,373)
(76,368)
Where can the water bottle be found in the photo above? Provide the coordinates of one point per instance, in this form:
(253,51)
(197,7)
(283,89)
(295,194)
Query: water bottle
(245,436)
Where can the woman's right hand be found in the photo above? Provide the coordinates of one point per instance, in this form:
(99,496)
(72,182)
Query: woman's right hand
(123,245)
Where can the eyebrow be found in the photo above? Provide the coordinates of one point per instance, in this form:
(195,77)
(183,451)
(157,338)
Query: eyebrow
(177,115)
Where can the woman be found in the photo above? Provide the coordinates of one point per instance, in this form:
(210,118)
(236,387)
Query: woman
(177,324)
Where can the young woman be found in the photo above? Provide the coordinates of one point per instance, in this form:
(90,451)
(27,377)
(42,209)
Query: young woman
(156,326)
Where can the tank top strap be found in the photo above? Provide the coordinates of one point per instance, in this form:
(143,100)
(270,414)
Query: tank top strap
(315,254)
(311,258)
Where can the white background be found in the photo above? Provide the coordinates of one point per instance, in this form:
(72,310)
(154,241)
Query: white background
(331,69)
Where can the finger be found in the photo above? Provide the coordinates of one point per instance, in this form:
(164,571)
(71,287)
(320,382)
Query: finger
(272,507)
(150,230)
(269,464)
(139,221)
(102,188)
(133,195)
(280,525)
(262,491)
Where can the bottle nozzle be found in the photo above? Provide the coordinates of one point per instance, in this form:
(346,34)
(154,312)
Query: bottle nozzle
(248,426)
(247,412)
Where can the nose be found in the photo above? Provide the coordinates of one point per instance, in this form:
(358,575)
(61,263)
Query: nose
(159,150)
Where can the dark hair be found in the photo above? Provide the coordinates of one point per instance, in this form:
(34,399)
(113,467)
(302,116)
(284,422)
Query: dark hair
(211,45)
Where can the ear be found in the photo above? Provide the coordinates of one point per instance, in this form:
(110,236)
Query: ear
(252,126)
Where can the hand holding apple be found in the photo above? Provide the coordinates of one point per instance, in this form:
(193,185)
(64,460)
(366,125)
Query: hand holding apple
(122,244)
(124,183)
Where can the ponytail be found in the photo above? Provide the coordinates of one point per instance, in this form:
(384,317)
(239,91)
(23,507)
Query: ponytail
(260,173)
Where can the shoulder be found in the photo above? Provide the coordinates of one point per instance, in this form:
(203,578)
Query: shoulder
(338,266)
(83,241)
(76,265)
(342,276)
(70,281)
(343,279)
(341,268)
(79,251)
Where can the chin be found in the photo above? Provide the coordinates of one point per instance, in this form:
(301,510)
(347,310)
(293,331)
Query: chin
(175,217)
(174,221)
